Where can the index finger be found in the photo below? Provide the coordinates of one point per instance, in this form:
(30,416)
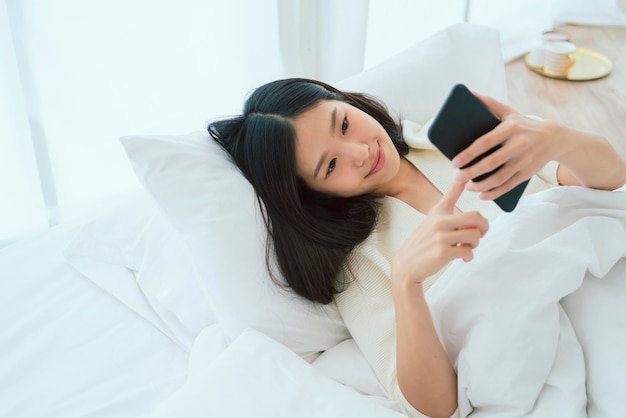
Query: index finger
(448,201)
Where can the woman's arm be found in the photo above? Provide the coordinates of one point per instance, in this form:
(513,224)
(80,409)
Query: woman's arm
(528,144)
(588,160)
(425,376)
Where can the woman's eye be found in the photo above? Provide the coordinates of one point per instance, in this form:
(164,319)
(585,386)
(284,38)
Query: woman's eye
(331,166)
(344,125)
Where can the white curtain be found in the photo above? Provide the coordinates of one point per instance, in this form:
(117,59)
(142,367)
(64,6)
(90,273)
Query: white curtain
(323,39)
(394,25)
(75,75)
(22,210)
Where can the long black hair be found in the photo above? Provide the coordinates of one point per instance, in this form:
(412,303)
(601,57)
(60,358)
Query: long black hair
(311,233)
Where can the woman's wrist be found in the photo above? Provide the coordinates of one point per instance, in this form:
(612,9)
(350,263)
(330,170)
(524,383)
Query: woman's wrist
(406,289)
(561,140)
(401,276)
(586,159)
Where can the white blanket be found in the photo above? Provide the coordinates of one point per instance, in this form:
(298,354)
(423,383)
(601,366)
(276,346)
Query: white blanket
(256,376)
(515,321)
(501,320)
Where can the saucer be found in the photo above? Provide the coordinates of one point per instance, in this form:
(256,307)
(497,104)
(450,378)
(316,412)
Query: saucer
(588,65)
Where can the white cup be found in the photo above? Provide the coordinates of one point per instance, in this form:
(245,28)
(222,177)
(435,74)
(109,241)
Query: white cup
(558,58)
(536,56)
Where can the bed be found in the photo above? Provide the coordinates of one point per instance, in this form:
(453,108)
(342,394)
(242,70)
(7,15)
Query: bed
(68,348)
(160,305)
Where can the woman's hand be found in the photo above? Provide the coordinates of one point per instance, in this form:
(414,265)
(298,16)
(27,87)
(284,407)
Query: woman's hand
(442,237)
(527,144)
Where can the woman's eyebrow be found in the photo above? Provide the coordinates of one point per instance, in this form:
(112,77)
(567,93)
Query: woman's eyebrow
(319,165)
(333,123)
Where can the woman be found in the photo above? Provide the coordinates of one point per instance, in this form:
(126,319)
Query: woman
(335,176)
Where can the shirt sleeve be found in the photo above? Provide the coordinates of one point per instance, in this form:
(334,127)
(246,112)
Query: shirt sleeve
(548,173)
(544,179)
(366,307)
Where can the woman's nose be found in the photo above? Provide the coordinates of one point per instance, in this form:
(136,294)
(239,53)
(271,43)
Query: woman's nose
(358,153)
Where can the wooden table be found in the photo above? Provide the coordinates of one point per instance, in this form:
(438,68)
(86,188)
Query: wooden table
(598,106)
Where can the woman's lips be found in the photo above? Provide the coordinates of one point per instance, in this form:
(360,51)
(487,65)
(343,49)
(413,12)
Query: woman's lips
(379,161)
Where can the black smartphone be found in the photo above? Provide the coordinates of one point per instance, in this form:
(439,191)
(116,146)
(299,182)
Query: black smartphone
(462,119)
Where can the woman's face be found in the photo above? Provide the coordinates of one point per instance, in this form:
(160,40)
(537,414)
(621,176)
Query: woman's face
(343,151)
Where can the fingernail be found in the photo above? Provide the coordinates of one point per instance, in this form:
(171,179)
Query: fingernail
(456,163)
(460,177)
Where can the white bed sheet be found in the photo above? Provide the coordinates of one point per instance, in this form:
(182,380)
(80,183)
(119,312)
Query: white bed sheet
(69,349)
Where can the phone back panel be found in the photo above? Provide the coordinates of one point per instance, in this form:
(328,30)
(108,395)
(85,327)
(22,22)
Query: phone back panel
(462,119)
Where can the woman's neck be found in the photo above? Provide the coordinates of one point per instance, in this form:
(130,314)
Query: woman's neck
(413,188)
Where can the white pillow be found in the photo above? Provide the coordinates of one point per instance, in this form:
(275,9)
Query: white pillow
(346,364)
(215,211)
(132,252)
